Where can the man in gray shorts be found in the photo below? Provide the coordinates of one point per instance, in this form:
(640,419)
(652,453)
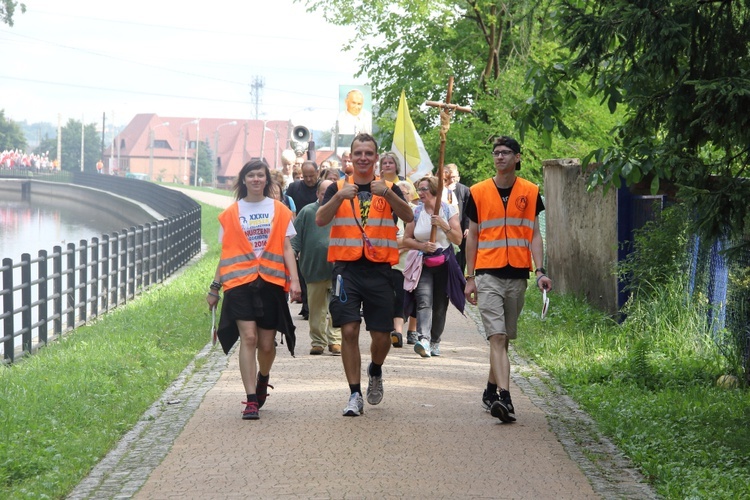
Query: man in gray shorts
(503,239)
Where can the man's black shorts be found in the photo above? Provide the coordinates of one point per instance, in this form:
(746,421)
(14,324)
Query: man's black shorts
(366,286)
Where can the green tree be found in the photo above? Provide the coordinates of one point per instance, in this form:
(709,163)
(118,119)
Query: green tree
(206,164)
(7,9)
(11,135)
(48,144)
(322,138)
(681,71)
(71,147)
(415,45)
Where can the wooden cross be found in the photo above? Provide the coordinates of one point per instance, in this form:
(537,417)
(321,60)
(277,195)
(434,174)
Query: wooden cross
(446,108)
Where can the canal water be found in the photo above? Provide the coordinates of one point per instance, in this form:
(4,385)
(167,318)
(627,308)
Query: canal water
(42,224)
(27,227)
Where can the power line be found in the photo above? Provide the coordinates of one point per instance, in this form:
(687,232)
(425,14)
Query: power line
(156,94)
(246,34)
(140,63)
(131,61)
(139,92)
(205,67)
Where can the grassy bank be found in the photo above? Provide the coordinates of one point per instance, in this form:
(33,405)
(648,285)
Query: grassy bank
(64,408)
(650,384)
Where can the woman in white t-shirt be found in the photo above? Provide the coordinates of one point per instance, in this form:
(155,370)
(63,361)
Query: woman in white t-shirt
(431,293)
(254,244)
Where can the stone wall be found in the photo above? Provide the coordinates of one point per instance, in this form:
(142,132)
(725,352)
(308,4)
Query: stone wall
(581,235)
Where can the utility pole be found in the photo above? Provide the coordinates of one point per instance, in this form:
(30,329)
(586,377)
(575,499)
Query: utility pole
(104,122)
(197,148)
(244,145)
(112,151)
(83,135)
(255,89)
(59,141)
(276,147)
(216,152)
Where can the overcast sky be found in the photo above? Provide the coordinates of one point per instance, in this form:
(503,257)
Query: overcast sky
(81,58)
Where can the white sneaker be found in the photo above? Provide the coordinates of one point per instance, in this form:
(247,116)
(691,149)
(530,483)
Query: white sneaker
(356,406)
(435,348)
(422,347)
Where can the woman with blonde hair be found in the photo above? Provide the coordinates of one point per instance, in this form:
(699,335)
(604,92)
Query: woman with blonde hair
(441,280)
(390,169)
(329,174)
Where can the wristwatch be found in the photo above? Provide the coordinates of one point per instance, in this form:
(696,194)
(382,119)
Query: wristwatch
(540,270)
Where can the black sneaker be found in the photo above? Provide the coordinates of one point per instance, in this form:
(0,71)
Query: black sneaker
(397,340)
(261,390)
(503,409)
(251,411)
(488,399)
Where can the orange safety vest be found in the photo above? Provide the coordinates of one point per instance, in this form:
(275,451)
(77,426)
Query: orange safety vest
(505,233)
(239,265)
(346,240)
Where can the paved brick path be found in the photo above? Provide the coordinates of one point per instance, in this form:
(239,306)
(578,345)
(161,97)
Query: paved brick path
(429,438)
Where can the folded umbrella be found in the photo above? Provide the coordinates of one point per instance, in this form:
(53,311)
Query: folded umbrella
(291,341)
(213,335)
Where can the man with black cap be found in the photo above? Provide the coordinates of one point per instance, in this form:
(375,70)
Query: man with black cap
(503,239)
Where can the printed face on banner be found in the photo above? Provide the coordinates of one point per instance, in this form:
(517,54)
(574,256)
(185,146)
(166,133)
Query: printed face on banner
(355,110)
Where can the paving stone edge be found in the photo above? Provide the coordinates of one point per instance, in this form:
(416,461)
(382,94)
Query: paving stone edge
(122,472)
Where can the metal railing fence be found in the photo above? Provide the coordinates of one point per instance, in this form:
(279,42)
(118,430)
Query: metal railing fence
(54,293)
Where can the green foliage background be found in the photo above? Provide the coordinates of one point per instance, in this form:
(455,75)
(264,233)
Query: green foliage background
(485,45)
(71,147)
(8,9)
(11,135)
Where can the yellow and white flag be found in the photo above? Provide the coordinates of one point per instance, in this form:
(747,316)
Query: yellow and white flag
(408,146)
